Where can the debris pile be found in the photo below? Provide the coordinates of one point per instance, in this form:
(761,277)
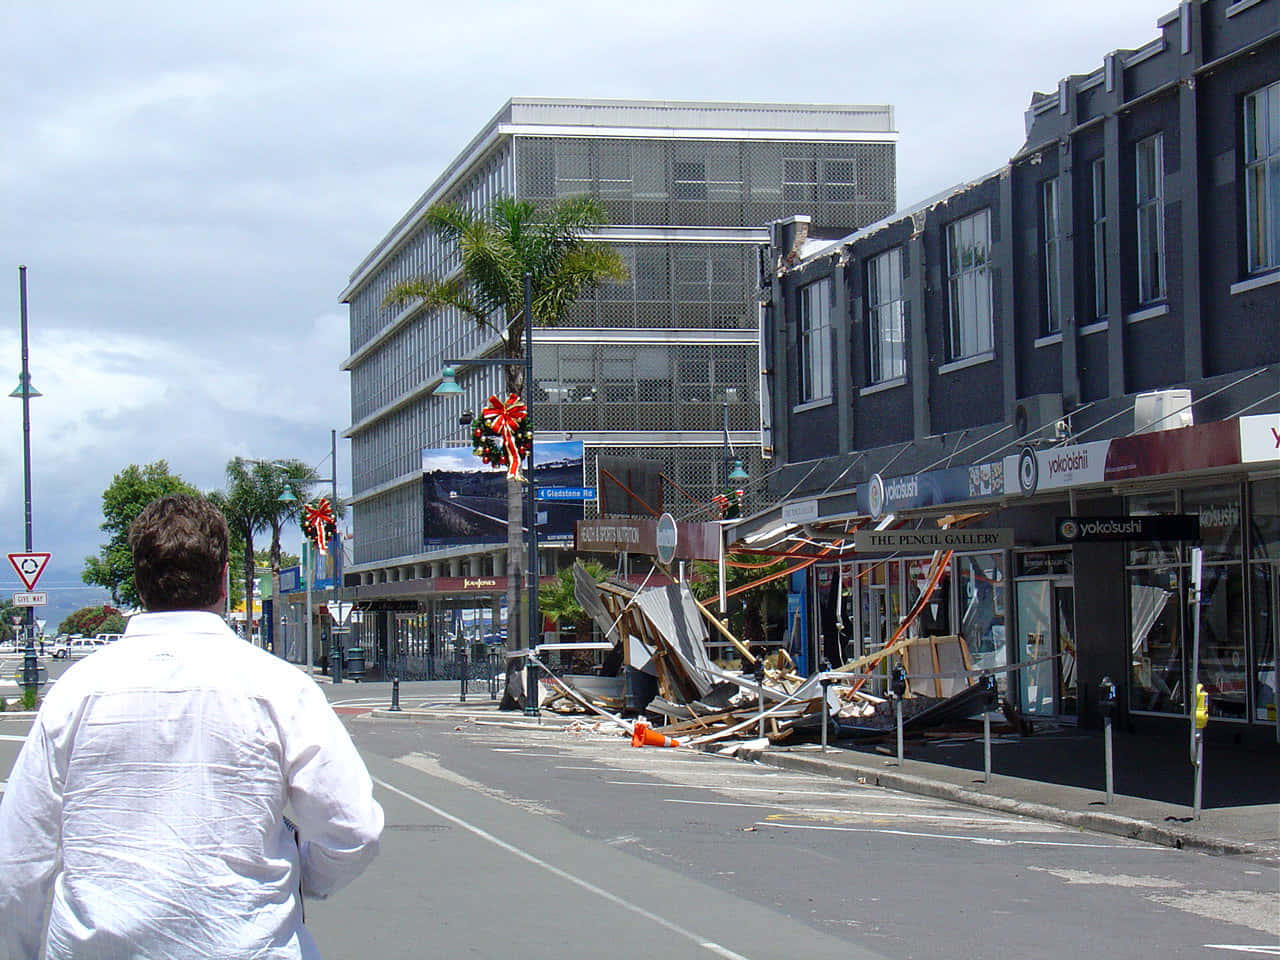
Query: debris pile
(684,695)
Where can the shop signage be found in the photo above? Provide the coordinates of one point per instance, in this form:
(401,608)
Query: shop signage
(1176,526)
(639,535)
(1260,438)
(1057,467)
(802,511)
(993,538)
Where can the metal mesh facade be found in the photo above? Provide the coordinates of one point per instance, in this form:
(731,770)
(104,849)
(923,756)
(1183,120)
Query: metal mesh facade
(676,285)
(422,254)
(593,386)
(742,183)
(632,379)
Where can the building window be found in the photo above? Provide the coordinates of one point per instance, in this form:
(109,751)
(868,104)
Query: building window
(815,341)
(690,180)
(1051,250)
(1262,177)
(800,179)
(886,316)
(969,286)
(1150,209)
(1099,184)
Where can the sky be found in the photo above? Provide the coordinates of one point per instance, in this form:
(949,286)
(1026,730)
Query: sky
(190,187)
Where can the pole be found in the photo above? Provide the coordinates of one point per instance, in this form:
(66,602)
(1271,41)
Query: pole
(308,571)
(531,507)
(26,411)
(986,746)
(1111,782)
(30,667)
(335,644)
(897,710)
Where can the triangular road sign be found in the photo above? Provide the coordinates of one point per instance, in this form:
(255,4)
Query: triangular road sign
(340,611)
(29,566)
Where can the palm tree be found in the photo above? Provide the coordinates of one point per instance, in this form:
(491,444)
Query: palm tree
(252,505)
(497,248)
(559,603)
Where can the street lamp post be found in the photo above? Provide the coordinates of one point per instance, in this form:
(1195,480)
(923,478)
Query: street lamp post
(25,392)
(450,386)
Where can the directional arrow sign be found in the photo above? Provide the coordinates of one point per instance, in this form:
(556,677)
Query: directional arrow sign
(29,566)
(340,611)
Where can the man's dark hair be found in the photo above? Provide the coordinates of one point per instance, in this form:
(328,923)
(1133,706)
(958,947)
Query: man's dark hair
(179,545)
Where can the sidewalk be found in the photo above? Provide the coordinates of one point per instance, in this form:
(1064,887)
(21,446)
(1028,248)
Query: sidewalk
(1055,776)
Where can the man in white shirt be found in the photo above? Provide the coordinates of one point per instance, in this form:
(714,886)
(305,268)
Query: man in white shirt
(152,789)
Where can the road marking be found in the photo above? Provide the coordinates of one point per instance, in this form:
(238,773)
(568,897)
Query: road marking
(1245,948)
(845,813)
(721,788)
(11,739)
(565,875)
(982,841)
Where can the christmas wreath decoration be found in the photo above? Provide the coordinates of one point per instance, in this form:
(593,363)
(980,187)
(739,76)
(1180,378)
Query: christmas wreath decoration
(319,524)
(502,435)
(729,504)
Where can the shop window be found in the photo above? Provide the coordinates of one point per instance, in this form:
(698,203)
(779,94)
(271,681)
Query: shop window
(981,586)
(1155,629)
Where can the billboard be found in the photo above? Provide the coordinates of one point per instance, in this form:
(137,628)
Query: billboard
(465,502)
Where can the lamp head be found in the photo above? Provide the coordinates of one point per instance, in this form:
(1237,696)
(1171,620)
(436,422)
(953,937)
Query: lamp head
(448,383)
(738,472)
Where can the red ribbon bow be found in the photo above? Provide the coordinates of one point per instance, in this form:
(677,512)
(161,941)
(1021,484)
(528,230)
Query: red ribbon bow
(319,518)
(504,417)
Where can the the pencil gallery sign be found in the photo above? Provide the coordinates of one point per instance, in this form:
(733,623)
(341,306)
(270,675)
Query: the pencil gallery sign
(994,538)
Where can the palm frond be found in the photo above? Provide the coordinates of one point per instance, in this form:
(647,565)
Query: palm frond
(579,269)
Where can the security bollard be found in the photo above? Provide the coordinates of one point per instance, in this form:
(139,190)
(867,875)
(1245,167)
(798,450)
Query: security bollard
(826,685)
(395,694)
(759,674)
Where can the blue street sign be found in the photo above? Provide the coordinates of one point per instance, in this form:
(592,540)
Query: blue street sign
(565,493)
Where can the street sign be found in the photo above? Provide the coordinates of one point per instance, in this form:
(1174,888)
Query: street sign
(357,616)
(340,610)
(30,599)
(667,537)
(29,566)
(565,493)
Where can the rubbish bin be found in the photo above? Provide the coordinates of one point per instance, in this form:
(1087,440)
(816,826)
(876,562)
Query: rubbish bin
(354,666)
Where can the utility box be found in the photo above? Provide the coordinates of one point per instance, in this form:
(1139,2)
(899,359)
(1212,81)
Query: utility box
(1162,410)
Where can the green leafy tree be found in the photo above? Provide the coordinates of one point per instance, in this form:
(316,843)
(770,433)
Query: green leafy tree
(128,494)
(497,248)
(7,613)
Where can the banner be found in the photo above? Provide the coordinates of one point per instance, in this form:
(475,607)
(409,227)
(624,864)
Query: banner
(464,502)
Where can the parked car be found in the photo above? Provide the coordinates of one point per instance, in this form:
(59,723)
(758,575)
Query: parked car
(76,647)
(109,637)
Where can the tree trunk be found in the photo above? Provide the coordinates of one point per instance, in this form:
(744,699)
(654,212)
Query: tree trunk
(248,583)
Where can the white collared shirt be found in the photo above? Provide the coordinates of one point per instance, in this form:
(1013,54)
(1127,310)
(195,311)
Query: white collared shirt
(150,794)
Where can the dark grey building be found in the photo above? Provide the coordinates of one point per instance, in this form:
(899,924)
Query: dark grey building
(1091,331)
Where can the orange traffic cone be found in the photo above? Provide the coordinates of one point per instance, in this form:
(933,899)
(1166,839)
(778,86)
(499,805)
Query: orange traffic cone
(642,736)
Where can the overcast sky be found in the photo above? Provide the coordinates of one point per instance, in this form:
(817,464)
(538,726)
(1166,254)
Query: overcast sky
(191,187)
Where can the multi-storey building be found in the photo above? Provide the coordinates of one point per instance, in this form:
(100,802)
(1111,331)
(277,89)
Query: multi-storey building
(1090,333)
(663,367)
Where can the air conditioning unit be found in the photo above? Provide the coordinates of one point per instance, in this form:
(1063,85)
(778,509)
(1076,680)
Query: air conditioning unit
(1162,410)
(1033,414)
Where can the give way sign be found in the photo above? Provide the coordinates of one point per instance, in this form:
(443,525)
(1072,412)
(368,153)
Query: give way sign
(340,611)
(29,566)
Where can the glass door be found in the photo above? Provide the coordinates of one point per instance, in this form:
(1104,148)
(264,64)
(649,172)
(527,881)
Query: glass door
(1266,616)
(1046,625)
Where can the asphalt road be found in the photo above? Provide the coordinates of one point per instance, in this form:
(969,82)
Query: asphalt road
(509,837)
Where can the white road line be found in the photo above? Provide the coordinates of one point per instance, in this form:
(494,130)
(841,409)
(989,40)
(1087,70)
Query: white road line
(565,875)
(725,788)
(847,813)
(10,739)
(562,767)
(1266,951)
(982,841)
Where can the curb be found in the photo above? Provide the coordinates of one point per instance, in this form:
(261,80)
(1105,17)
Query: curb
(1098,822)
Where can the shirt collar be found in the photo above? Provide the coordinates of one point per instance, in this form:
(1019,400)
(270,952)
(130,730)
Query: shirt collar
(174,621)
